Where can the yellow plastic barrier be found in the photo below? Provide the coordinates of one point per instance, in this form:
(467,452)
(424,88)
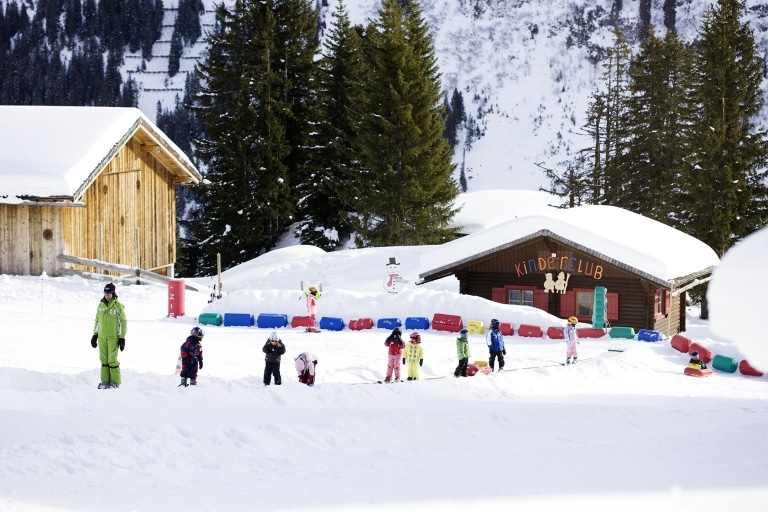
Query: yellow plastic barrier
(475,327)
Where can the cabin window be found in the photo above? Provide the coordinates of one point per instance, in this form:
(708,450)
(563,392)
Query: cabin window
(661,303)
(520,297)
(584,303)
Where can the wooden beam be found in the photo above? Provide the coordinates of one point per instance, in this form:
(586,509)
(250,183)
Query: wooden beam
(112,267)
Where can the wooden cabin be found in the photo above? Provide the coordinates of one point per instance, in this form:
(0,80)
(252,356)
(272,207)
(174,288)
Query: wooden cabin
(93,183)
(562,261)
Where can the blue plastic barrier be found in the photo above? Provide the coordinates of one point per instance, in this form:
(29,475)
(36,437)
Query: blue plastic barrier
(271,320)
(331,323)
(416,322)
(238,320)
(649,335)
(388,323)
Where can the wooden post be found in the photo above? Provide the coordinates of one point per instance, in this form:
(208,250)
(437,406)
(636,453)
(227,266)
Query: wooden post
(218,269)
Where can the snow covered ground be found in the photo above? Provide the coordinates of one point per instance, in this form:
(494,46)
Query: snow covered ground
(620,429)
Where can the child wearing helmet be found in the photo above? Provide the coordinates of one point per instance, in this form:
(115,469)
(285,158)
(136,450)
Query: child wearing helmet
(495,342)
(462,350)
(413,356)
(313,295)
(191,357)
(571,340)
(394,344)
(273,348)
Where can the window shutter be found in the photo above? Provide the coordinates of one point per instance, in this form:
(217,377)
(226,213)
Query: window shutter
(667,302)
(613,305)
(568,304)
(499,295)
(541,300)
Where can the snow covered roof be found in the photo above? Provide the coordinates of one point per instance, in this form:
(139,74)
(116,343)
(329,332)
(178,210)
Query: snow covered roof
(485,208)
(639,244)
(55,153)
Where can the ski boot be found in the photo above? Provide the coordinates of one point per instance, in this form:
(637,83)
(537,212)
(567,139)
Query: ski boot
(104,385)
(183,382)
(193,382)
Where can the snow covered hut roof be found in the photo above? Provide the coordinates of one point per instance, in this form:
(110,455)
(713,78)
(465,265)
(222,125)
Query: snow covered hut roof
(55,153)
(637,243)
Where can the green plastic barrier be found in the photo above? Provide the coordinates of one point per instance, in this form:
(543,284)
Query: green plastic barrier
(599,307)
(622,332)
(210,319)
(725,364)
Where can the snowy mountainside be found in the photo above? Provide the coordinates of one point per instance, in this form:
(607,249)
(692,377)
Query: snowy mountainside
(526,70)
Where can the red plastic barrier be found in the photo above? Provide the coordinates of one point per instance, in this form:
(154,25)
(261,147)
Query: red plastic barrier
(506,329)
(530,331)
(746,369)
(589,332)
(681,343)
(300,321)
(556,333)
(450,323)
(360,324)
(695,372)
(704,353)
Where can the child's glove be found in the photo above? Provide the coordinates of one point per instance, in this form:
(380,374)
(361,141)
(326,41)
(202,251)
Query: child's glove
(421,362)
(121,343)
(403,360)
(504,351)
(94,340)
(201,363)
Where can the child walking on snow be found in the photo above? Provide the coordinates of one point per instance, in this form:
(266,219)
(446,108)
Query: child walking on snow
(312,297)
(571,340)
(191,357)
(273,349)
(413,356)
(462,350)
(395,344)
(495,342)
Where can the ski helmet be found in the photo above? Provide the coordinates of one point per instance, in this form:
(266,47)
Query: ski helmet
(494,323)
(415,337)
(273,336)
(463,333)
(573,320)
(397,332)
(109,288)
(312,289)
(196,331)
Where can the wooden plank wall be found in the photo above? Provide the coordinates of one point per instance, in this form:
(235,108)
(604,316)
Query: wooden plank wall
(134,195)
(31,239)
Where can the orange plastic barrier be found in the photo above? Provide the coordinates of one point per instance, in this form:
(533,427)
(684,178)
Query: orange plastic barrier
(681,343)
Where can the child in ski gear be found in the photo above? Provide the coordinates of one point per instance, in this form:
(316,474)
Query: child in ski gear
(462,351)
(273,349)
(312,297)
(696,363)
(305,367)
(571,340)
(109,334)
(413,356)
(395,344)
(191,357)
(495,342)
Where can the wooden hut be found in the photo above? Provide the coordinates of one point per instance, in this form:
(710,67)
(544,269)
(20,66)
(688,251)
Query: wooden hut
(564,261)
(87,183)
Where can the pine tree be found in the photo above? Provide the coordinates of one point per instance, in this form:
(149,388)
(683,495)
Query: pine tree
(659,116)
(728,193)
(331,186)
(405,163)
(248,202)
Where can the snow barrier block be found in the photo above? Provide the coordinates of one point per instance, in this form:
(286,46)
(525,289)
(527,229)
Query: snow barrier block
(271,320)
(649,335)
(622,332)
(472,369)
(506,328)
(210,319)
(590,332)
(555,333)
(704,353)
(416,322)
(530,331)
(360,324)
(300,321)
(746,369)
(681,343)
(331,323)
(450,323)
(238,320)
(388,323)
(725,363)
(476,327)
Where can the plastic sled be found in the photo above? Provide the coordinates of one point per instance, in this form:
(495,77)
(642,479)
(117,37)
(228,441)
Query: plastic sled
(696,372)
